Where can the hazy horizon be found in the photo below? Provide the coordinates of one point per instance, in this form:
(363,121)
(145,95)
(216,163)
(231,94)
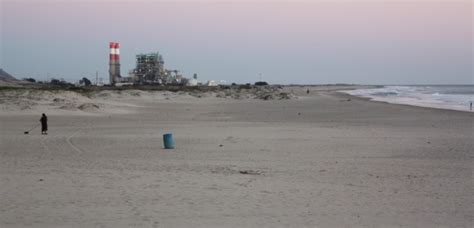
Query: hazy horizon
(281,42)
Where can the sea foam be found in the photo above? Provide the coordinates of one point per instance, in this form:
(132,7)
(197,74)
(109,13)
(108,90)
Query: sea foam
(443,97)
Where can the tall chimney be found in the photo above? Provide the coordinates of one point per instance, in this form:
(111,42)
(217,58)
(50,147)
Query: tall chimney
(114,62)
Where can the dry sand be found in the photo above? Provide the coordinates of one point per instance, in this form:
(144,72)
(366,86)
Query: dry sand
(316,161)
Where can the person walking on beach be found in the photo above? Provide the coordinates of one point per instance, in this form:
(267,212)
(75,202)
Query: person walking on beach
(471,106)
(44,124)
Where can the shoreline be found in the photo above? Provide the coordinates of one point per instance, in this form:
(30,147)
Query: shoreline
(368,99)
(374,99)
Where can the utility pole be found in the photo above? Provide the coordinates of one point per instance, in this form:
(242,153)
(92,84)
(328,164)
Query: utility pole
(96,78)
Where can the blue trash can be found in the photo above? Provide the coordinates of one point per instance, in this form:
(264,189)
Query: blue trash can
(168,141)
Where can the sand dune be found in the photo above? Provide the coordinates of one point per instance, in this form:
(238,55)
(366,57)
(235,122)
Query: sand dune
(63,102)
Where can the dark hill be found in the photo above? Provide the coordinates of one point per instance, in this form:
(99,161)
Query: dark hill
(4,76)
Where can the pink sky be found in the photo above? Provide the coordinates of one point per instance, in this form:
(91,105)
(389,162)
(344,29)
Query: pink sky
(311,38)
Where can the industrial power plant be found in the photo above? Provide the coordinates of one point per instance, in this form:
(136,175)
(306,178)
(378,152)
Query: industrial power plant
(149,70)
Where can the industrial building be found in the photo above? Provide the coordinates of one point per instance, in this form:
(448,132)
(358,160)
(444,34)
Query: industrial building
(149,70)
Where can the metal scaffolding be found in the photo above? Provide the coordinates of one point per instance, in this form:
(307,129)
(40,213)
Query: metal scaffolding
(150,69)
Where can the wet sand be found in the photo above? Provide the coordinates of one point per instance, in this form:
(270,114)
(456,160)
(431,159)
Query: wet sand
(316,161)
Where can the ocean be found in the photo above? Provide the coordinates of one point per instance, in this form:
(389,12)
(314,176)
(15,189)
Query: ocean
(454,97)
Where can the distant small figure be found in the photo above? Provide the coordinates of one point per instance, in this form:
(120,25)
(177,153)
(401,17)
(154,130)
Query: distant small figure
(307,91)
(44,124)
(471,106)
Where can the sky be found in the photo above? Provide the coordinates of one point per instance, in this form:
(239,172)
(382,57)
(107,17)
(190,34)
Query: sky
(281,42)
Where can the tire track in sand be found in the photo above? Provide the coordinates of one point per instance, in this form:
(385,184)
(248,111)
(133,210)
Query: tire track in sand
(59,167)
(123,192)
(74,147)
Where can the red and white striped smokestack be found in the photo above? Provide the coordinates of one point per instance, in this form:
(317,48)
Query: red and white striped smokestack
(114,52)
(114,64)
(117,52)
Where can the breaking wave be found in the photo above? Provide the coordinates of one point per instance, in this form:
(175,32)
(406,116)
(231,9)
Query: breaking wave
(443,97)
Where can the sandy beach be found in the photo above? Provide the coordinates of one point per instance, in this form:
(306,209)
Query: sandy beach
(322,159)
